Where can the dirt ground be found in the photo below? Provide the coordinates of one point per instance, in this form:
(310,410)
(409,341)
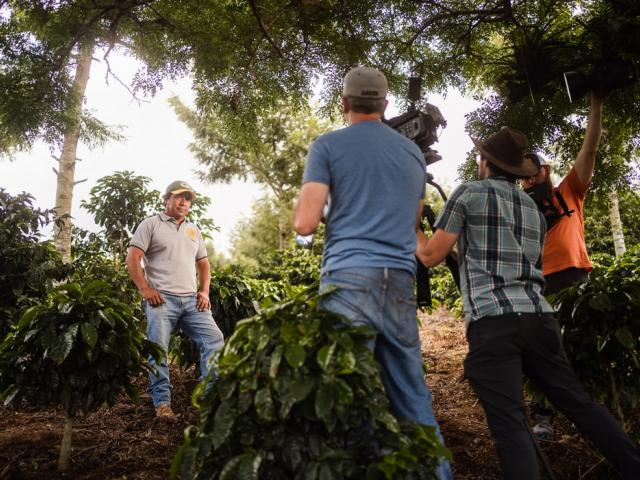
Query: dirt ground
(463,422)
(126,442)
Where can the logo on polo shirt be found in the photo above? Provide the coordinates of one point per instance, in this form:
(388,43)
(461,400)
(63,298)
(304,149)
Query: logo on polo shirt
(191,233)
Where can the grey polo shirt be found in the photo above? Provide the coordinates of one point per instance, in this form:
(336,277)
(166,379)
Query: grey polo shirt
(171,251)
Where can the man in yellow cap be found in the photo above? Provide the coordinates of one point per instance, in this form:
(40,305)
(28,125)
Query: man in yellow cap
(172,248)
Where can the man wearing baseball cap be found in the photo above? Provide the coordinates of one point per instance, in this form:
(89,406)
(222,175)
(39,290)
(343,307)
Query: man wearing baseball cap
(172,249)
(511,328)
(375,179)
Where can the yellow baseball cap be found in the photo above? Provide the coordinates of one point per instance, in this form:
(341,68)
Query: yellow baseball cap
(179,186)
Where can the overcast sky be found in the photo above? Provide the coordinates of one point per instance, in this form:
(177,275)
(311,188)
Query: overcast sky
(157,146)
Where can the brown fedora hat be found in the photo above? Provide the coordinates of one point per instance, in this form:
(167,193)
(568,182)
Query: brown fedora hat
(506,150)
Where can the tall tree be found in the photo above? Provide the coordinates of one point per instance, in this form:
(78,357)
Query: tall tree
(243,56)
(67,161)
(271,152)
(259,234)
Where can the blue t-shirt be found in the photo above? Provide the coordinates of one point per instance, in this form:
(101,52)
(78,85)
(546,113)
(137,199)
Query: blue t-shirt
(376,178)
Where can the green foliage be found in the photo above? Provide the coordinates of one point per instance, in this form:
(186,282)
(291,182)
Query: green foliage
(601,329)
(272,152)
(444,291)
(118,203)
(597,224)
(295,266)
(234,296)
(263,53)
(299,395)
(267,228)
(77,349)
(91,259)
(28,266)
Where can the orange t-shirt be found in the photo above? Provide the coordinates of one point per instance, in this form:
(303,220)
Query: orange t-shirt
(564,245)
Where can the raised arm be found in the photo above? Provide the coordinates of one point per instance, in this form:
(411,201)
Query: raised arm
(586,159)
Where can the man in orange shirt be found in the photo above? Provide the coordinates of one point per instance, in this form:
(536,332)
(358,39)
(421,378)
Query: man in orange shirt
(565,261)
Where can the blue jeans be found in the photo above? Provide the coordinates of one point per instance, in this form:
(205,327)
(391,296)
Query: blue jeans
(179,312)
(383,298)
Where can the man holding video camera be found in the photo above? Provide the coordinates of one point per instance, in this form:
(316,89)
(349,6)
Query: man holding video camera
(375,180)
(511,328)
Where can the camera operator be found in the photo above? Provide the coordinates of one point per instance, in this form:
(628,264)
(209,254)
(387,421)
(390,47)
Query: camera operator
(565,261)
(511,328)
(376,179)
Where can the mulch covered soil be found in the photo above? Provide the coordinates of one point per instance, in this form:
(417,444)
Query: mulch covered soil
(127,442)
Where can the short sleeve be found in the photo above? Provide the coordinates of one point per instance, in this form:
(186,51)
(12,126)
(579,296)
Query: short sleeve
(571,185)
(202,249)
(453,215)
(317,166)
(142,236)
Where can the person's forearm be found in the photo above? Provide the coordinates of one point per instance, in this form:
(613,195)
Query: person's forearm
(137,274)
(586,159)
(204,275)
(594,126)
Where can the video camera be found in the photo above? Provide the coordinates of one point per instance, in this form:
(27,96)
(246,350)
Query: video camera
(421,126)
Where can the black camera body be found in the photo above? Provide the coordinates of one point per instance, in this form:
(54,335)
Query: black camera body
(419,126)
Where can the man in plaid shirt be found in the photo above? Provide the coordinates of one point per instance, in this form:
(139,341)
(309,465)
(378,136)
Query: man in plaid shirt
(511,328)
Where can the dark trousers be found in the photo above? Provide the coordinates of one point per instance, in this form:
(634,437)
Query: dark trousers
(564,278)
(501,350)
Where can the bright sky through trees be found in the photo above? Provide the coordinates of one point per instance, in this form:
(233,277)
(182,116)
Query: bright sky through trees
(157,146)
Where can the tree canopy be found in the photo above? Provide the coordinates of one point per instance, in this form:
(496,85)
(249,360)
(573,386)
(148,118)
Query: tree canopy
(242,55)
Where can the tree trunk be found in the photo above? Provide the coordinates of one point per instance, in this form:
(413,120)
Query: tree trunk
(282,233)
(67,162)
(616,224)
(65,447)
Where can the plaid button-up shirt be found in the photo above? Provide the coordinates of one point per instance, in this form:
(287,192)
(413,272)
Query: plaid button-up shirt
(499,248)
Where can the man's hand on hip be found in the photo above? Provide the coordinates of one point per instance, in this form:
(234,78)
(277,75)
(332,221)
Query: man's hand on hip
(152,296)
(202,301)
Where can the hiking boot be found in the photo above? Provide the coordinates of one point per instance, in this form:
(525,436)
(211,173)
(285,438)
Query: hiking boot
(543,429)
(164,412)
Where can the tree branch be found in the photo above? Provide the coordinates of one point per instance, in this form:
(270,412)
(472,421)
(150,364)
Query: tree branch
(110,73)
(254,8)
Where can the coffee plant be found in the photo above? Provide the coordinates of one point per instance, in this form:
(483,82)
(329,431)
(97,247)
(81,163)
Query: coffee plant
(295,266)
(78,348)
(299,395)
(601,329)
(234,296)
(28,266)
(444,291)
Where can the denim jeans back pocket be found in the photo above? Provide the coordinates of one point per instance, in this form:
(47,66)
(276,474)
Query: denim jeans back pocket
(348,299)
(403,316)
